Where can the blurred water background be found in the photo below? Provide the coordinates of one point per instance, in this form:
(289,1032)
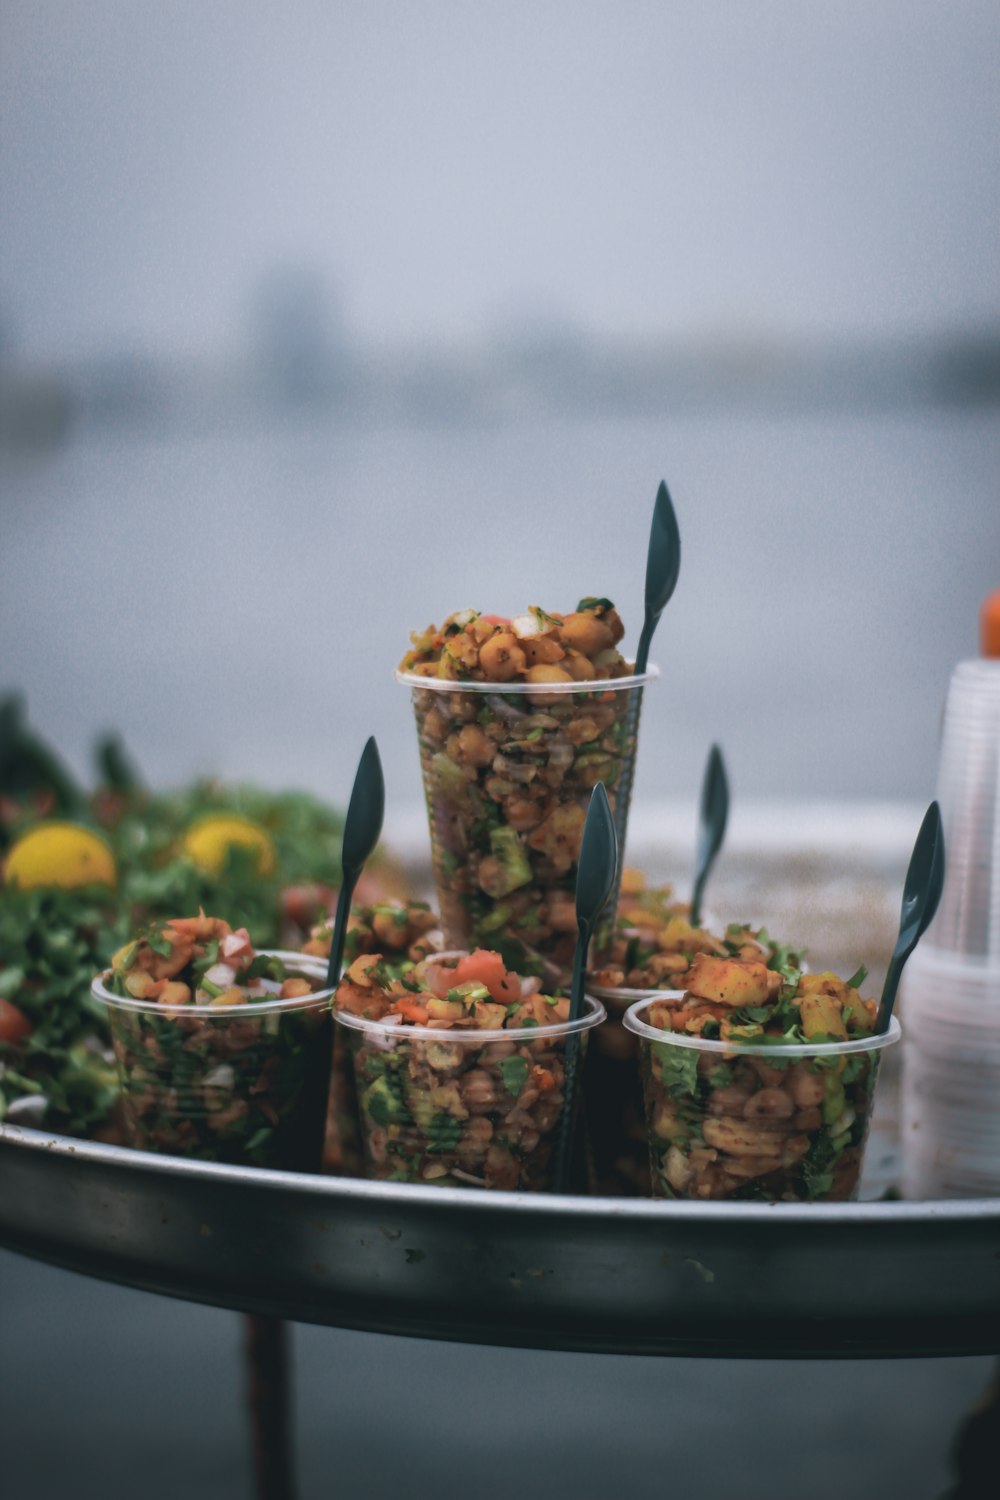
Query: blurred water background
(318,322)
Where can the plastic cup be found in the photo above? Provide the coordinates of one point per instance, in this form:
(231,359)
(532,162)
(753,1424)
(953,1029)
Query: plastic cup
(968,918)
(244,1084)
(617,1142)
(508,769)
(742,1120)
(951,1077)
(462,1108)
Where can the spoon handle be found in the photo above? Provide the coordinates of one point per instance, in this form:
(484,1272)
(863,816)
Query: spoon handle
(713,816)
(347,885)
(571,1069)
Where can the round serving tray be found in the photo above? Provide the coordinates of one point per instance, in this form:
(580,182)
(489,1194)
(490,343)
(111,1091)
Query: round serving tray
(543,1272)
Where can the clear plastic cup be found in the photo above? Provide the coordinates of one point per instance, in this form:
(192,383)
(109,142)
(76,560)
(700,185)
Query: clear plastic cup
(508,769)
(951,1077)
(244,1084)
(617,1141)
(744,1120)
(463,1108)
(968,918)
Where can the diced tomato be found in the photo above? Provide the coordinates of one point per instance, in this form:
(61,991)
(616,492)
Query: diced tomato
(496,620)
(486,967)
(543,1079)
(411,1010)
(14,1024)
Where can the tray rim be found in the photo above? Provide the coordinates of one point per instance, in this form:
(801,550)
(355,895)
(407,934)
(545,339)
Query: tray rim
(882,1212)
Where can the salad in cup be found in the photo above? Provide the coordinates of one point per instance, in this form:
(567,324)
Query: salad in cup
(653,948)
(517,721)
(757,1084)
(459,1065)
(223,1052)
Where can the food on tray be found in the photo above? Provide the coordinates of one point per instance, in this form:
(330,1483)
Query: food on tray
(517,721)
(56,1066)
(223,1052)
(534,647)
(402,931)
(654,947)
(654,944)
(745,1095)
(55,936)
(459,1069)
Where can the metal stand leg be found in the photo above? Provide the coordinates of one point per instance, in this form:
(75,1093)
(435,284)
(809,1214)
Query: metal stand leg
(976,1446)
(269,1392)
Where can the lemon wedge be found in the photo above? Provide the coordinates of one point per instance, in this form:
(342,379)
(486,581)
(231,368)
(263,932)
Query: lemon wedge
(62,854)
(209,839)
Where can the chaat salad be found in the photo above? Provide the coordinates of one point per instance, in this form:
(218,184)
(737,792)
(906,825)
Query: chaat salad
(754,1120)
(453,1085)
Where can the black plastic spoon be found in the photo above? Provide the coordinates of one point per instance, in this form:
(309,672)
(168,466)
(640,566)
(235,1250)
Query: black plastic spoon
(712,818)
(595,879)
(663,565)
(921,894)
(362,827)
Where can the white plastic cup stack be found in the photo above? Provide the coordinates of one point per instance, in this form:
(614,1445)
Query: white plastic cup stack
(951,988)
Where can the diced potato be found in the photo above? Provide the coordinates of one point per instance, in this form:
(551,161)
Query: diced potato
(727,981)
(822,1016)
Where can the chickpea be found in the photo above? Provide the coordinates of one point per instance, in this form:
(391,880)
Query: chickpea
(502,658)
(579,667)
(770,1076)
(474,745)
(292,989)
(581,731)
(479,1092)
(806,1087)
(435,727)
(584,632)
(475,1136)
(461,706)
(769,1104)
(542,651)
(520,813)
(808,1119)
(547,674)
(729,1101)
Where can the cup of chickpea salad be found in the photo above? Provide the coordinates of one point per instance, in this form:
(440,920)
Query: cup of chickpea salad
(756,1087)
(459,1067)
(651,951)
(517,721)
(223,1052)
(402,933)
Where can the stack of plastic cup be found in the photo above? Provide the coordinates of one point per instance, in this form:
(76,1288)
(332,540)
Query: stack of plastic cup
(951,988)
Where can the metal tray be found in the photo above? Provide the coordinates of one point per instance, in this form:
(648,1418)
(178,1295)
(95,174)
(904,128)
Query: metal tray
(536,1271)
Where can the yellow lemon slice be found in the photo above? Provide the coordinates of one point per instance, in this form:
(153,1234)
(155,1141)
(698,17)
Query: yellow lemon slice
(208,840)
(62,854)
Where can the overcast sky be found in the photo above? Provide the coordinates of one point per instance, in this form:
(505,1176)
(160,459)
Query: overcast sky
(640,168)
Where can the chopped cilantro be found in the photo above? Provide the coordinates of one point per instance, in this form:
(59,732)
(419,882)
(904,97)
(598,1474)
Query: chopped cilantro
(514,1071)
(678,1068)
(858,978)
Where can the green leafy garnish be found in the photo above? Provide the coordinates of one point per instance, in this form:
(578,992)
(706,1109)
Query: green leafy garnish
(858,978)
(678,1068)
(514,1072)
